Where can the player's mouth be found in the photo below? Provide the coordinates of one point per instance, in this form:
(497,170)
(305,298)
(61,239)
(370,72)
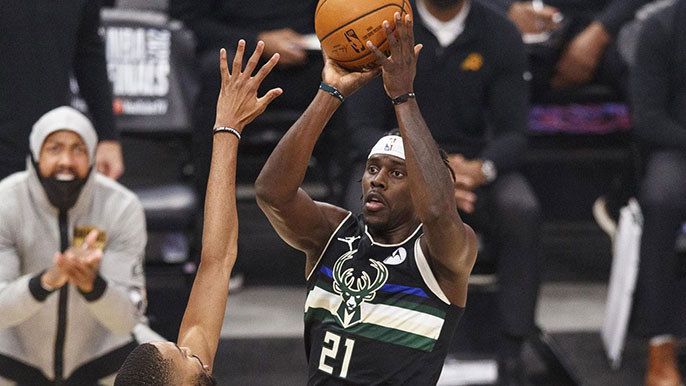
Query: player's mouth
(65,177)
(374,202)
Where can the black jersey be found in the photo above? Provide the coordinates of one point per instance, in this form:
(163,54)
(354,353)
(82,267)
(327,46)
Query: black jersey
(374,313)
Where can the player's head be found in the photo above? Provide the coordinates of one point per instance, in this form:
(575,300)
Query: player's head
(62,144)
(386,196)
(163,364)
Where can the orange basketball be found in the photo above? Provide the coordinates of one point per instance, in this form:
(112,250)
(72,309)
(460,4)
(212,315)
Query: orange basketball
(344,27)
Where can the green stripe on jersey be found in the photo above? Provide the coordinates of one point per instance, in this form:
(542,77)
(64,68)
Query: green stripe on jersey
(374,316)
(375,332)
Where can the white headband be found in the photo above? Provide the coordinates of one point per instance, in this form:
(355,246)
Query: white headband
(63,118)
(389,145)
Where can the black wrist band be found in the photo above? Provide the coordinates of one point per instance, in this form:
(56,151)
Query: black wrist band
(332,90)
(403,98)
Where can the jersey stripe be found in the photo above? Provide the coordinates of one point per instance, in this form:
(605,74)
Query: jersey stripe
(393,317)
(374,332)
(427,274)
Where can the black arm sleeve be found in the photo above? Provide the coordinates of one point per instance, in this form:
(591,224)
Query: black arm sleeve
(508,105)
(212,31)
(650,89)
(618,12)
(90,70)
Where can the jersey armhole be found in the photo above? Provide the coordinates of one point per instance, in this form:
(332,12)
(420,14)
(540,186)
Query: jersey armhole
(427,274)
(316,264)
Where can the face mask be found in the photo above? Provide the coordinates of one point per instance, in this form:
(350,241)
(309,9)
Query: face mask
(444,4)
(62,194)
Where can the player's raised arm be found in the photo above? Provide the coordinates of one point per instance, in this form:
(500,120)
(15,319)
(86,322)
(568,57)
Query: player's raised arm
(238,105)
(451,245)
(301,222)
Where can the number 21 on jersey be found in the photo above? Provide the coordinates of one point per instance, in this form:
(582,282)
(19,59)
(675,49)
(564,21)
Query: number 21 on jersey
(330,349)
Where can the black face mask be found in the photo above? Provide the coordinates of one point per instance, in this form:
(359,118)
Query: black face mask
(62,194)
(444,4)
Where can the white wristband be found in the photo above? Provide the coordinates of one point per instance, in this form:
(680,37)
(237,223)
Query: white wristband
(228,129)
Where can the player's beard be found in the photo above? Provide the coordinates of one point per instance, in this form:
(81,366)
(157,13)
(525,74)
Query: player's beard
(62,194)
(444,4)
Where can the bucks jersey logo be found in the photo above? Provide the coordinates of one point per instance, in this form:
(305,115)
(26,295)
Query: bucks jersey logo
(355,291)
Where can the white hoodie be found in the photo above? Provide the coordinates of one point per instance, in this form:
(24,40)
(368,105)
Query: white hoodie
(29,238)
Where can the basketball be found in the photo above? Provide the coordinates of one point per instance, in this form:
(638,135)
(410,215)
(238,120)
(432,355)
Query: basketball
(344,27)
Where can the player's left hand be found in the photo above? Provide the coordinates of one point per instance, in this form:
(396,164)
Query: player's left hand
(81,265)
(579,61)
(400,68)
(109,160)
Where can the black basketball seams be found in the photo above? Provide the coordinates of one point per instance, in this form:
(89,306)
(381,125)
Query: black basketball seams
(402,8)
(320,5)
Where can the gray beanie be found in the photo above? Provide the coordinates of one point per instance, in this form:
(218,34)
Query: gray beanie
(63,118)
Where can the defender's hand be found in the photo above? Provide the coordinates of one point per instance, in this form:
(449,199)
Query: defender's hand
(400,68)
(238,103)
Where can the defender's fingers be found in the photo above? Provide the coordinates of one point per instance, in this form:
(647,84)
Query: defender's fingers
(418,49)
(223,66)
(380,56)
(267,68)
(238,58)
(270,96)
(254,58)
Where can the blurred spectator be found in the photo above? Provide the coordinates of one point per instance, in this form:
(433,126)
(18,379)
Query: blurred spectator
(67,305)
(281,24)
(42,44)
(471,87)
(658,96)
(588,51)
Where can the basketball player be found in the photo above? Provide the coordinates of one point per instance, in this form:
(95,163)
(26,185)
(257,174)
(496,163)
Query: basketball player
(190,361)
(385,290)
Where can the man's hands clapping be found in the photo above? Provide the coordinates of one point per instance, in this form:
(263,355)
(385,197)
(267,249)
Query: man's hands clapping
(78,266)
